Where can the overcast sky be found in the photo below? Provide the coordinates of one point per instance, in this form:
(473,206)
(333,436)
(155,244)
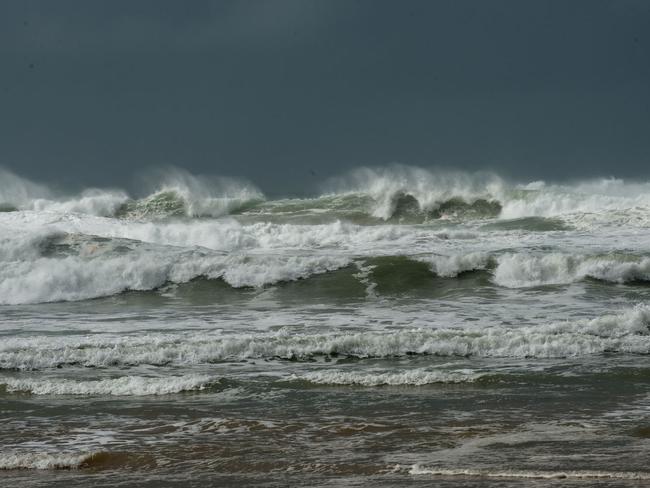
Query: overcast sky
(288,92)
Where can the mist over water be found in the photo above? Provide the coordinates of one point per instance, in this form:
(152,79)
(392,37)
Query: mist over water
(384,193)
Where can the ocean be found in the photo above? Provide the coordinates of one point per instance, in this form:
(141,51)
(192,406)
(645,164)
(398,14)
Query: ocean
(401,326)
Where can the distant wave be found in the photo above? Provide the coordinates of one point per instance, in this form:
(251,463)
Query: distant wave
(395,194)
(176,194)
(397,191)
(17,193)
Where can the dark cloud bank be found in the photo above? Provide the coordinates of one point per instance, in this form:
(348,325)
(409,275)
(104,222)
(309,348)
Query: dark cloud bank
(287,93)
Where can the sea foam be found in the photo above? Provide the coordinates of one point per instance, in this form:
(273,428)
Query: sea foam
(43,460)
(415,377)
(625,332)
(122,386)
(530,474)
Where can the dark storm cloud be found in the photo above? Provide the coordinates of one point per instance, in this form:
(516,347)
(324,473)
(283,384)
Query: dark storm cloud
(288,92)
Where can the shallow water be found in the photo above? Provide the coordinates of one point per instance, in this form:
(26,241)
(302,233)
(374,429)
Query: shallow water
(466,334)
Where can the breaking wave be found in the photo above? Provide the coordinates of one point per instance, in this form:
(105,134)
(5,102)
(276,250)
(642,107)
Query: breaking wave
(399,191)
(52,250)
(63,267)
(398,194)
(53,265)
(44,460)
(416,377)
(180,194)
(123,386)
(625,332)
(176,193)
(523,270)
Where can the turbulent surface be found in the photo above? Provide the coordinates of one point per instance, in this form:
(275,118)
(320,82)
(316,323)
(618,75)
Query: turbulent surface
(402,326)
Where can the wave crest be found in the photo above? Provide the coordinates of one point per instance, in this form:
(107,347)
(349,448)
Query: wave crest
(123,386)
(44,460)
(394,194)
(525,270)
(174,193)
(60,267)
(416,377)
(178,193)
(627,332)
(398,190)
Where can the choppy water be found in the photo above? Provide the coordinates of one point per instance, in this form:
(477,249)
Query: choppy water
(403,327)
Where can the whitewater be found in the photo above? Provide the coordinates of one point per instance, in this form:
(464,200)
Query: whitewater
(400,325)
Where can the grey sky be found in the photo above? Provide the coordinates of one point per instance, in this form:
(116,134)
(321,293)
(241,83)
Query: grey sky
(286,93)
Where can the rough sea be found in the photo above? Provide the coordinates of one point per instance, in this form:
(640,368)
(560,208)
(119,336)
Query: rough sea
(403,326)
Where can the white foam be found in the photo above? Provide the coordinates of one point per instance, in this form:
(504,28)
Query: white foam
(602,201)
(92,201)
(602,198)
(96,269)
(521,270)
(417,469)
(209,196)
(229,235)
(123,386)
(526,270)
(223,235)
(451,266)
(364,277)
(201,195)
(585,204)
(429,187)
(22,232)
(263,253)
(626,332)
(26,195)
(43,460)
(414,377)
